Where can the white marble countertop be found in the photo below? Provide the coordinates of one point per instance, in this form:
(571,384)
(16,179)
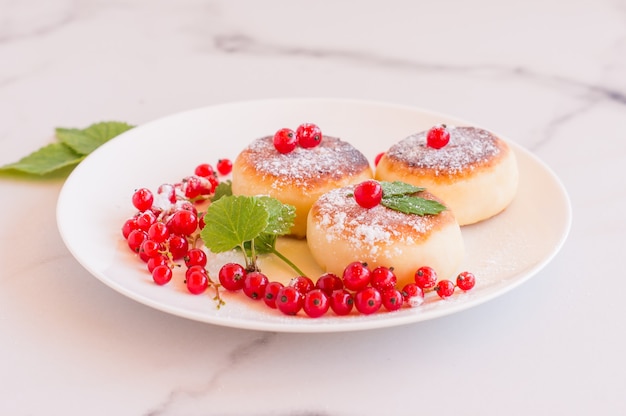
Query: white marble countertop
(549,74)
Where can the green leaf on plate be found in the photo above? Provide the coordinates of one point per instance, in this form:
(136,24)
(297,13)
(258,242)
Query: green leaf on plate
(281,216)
(263,244)
(223,189)
(233,220)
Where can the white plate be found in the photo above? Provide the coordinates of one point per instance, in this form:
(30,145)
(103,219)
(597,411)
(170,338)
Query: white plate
(96,200)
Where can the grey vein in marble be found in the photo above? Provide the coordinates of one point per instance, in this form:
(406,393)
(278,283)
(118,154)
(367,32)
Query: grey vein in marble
(236,357)
(243,44)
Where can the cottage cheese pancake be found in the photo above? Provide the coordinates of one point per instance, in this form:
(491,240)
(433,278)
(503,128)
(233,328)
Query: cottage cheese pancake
(340,231)
(475,174)
(299,177)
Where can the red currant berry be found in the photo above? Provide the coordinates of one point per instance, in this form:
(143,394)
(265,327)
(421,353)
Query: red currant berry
(224,166)
(142,199)
(149,248)
(159,260)
(271,292)
(129,225)
(329,282)
(193,186)
(413,294)
(383,278)
(146,219)
(232,276)
(196,268)
(465,280)
(204,170)
(188,206)
(378,157)
(207,186)
(438,136)
(201,222)
(169,191)
(289,300)
(135,239)
(158,232)
(445,288)
(302,284)
(426,277)
(195,257)
(316,303)
(161,274)
(392,299)
(178,246)
(341,302)
(197,282)
(309,135)
(356,276)
(368,194)
(213,182)
(183,222)
(285,140)
(254,285)
(368,300)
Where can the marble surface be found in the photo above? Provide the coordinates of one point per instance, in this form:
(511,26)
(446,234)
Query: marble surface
(550,74)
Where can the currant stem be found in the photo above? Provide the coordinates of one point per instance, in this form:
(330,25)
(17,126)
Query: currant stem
(252,266)
(243,250)
(217,296)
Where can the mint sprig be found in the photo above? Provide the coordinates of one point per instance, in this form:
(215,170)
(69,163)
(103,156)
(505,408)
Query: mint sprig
(71,147)
(400,196)
(250,223)
(413,205)
(397,188)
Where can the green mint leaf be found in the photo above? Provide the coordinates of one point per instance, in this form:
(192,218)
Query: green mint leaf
(85,141)
(413,205)
(233,220)
(399,188)
(281,216)
(45,160)
(223,189)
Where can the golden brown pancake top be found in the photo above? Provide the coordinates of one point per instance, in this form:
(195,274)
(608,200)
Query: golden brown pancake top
(469,149)
(332,160)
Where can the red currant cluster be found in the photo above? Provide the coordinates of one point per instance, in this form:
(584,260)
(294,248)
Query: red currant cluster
(165,228)
(307,135)
(359,287)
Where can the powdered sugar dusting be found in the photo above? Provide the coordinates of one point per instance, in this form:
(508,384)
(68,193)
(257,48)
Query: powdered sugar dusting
(377,228)
(331,159)
(468,148)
